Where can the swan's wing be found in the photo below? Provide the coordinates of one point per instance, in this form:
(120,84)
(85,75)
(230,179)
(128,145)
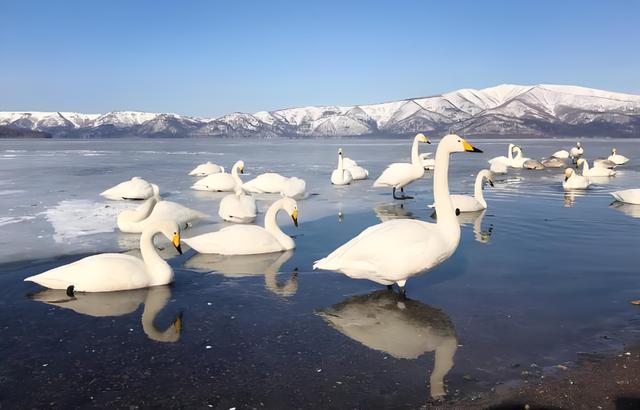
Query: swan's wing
(394,174)
(269,183)
(168,210)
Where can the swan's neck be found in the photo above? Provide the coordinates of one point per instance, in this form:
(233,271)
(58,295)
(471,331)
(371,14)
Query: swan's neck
(415,154)
(271,225)
(157,299)
(477,192)
(447,219)
(510,153)
(158,270)
(130,219)
(585,167)
(236,177)
(340,163)
(518,155)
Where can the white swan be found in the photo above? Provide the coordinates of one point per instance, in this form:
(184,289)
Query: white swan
(595,171)
(109,272)
(617,158)
(519,160)
(628,196)
(502,159)
(467,203)
(498,168)
(604,163)
(576,152)
(562,154)
(136,188)
(153,210)
(400,174)
(274,183)
(401,328)
(357,172)
(295,188)
(238,207)
(393,251)
(249,239)
(554,162)
(221,182)
(341,175)
(108,304)
(428,163)
(205,169)
(574,181)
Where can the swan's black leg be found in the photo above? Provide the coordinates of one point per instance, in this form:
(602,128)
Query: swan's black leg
(390,287)
(394,194)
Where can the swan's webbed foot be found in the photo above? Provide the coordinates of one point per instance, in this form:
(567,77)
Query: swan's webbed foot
(70,291)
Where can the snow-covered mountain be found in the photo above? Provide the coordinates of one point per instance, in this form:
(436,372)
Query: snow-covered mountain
(504,109)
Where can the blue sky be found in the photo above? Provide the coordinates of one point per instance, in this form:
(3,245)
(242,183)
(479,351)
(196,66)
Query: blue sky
(211,58)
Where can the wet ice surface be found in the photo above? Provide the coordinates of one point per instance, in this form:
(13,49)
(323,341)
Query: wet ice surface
(540,278)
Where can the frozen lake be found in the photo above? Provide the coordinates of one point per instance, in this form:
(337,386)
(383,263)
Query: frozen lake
(540,278)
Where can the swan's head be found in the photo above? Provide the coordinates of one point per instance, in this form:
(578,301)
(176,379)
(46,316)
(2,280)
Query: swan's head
(517,149)
(568,173)
(421,138)
(488,175)
(454,143)
(578,144)
(291,207)
(171,230)
(340,151)
(613,151)
(239,165)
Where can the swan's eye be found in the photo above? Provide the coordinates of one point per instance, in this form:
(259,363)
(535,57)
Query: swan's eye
(459,141)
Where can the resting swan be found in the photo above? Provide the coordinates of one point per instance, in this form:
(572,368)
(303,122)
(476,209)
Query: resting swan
(392,252)
(108,272)
(502,159)
(341,175)
(628,196)
(617,158)
(595,171)
(400,174)
(273,183)
(357,172)
(249,239)
(467,203)
(205,169)
(562,154)
(136,188)
(153,210)
(574,181)
(238,207)
(221,182)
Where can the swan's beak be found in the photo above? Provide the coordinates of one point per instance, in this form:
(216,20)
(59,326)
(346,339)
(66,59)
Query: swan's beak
(424,139)
(176,243)
(294,216)
(242,170)
(491,183)
(469,148)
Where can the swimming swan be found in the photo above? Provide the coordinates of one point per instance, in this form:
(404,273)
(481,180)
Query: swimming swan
(238,207)
(221,182)
(136,188)
(617,158)
(108,272)
(393,251)
(628,196)
(153,210)
(400,174)
(574,181)
(205,169)
(595,171)
(604,163)
(467,203)
(340,175)
(249,239)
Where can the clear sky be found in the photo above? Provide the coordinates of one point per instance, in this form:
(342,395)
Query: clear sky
(210,58)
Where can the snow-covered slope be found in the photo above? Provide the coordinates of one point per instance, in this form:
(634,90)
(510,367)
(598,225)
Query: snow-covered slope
(505,109)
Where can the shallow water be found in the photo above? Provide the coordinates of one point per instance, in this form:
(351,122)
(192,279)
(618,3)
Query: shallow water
(539,278)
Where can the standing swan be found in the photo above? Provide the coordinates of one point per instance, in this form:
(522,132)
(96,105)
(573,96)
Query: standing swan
(393,251)
(249,239)
(340,175)
(400,174)
(108,272)
(467,203)
(221,182)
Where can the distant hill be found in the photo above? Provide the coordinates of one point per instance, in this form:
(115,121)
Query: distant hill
(11,132)
(539,110)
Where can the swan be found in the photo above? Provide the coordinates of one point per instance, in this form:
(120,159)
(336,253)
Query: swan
(108,272)
(401,174)
(357,172)
(467,203)
(348,162)
(249,239)
(238,207)
(205,169)
(502,159)
(554,162)
(428,163)
(340,175)
(221,182)
(107,304)
(576,152)
(498,168)
(595,171)
(562,154)
(628,196)
(574,181)
(523,162)
(402,328)
(604,163)
(294,188)
(153,210)
(617,158)
(393,251)
(274,183)
(135,188)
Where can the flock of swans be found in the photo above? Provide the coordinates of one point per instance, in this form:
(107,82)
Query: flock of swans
(388,253)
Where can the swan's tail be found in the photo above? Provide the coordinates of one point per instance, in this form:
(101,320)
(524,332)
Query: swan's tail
(616,196)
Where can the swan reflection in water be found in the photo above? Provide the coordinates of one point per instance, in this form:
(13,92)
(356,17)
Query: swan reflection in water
(105,304)
(475,220)
(403,328)
(237,266)
(390,211)
(627,209)
(570,197)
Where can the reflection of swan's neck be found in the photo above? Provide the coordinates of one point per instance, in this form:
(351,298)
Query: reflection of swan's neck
(442,364)
(157,298)
(415,154)
(157,268)
(477,192)
(444,207)
(271,225)
(289,288)
(130,218)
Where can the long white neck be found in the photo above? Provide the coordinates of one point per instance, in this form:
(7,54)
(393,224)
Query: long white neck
(447,219)
(157,298)
(519,154)
(416,161)
(510,153)
(132,219)
(235,176)
(585,167)
(477,191)
(271,225)
(340,162)
(157,268)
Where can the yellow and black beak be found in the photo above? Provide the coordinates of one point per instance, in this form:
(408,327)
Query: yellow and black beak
(176,242)
(491,183)
(294,216)
(469,148)
(242,170)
